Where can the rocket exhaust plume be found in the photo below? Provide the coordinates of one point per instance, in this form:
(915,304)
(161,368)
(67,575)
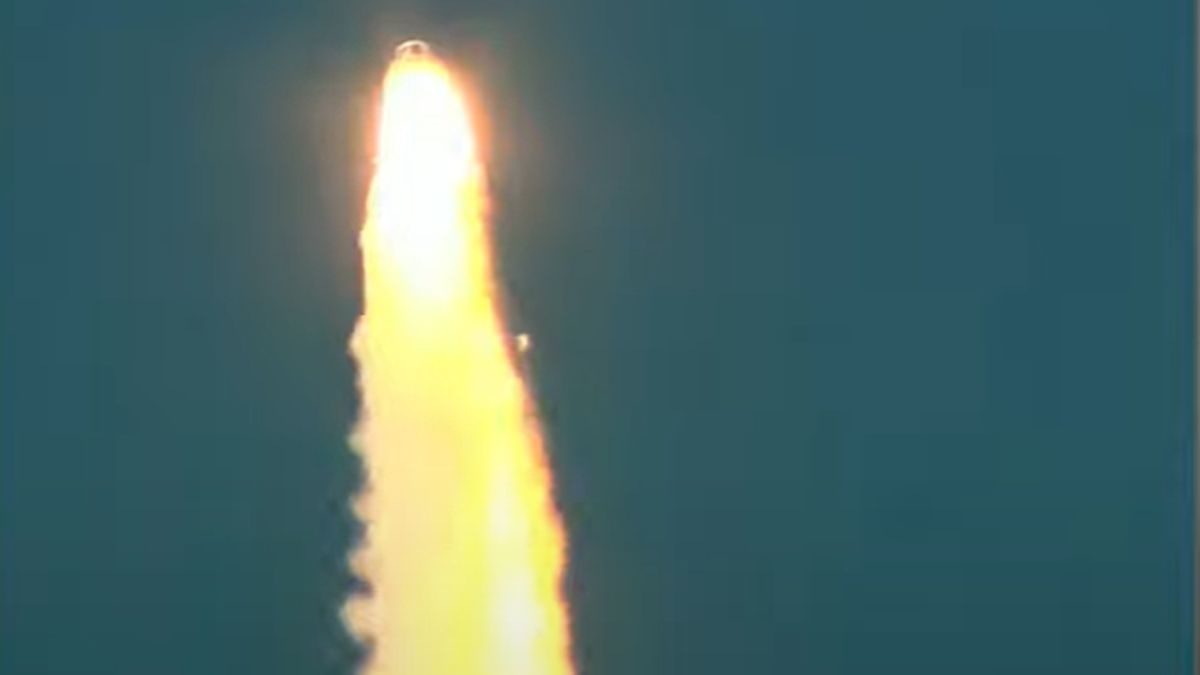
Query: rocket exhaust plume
(462,551)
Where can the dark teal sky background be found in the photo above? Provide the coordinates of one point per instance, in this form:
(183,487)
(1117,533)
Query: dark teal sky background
(862,328)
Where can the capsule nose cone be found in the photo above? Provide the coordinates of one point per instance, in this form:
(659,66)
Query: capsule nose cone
(414,49)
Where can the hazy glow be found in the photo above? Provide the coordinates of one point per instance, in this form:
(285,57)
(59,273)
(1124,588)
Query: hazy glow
(463,549)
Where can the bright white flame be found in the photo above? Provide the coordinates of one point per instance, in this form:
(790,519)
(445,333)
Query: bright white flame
(426,161)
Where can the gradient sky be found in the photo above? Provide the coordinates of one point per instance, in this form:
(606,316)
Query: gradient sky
(862,329)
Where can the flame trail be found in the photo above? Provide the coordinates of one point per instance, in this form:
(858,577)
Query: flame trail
(463,549)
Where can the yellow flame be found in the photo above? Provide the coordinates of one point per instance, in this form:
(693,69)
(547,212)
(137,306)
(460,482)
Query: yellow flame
(463,550)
